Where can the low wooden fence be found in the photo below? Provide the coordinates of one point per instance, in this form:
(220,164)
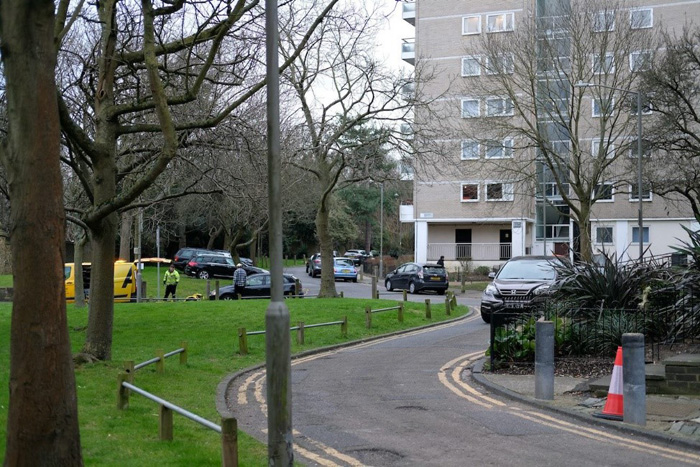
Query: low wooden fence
(300,328)
(228,428)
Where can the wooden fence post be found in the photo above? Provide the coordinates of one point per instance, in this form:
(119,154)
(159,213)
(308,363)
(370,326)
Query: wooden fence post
(300,333)
(206,294)
(374,286)
(243,341)
(400,312)
(428,313)
(447,306)
(183,354)
(165,424)
(454,300)
(342,295)
(297,288)
(405,295)
(368,316)
(160,364)
(344,327)
(122,392)
(216,288)
(229,442)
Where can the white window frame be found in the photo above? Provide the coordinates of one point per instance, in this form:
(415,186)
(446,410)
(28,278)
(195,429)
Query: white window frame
(508,22)
(465,22)
(603,67)
(604,200)
(646,230)
(506,190)
(461,192)
(508,62)
(505,146)
(478,107)
(506,104)
(473,143)
(646,194)
(595,148)
(634,56)
(599,114)
(600,21)
(474,59)
(646,25)
(606,229)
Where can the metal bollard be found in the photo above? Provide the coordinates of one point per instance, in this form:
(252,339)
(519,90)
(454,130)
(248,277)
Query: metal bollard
(544,360)
(634,409)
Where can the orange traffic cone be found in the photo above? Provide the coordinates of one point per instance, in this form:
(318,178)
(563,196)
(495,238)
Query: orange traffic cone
(614,404)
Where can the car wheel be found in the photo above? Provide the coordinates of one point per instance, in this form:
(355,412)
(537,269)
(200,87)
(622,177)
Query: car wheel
(227,297)
(389,286)
(203,274)
(441,292)
(412,288)
(486,317)
(355,279)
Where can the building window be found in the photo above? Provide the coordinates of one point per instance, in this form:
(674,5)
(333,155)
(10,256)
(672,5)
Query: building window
(646,105)
(603,107)
(471,66)
(640,60)
(499,107)
(604,21)
(603,64)
(498,191)
(499,149)
(503,64)
(641,18)
(608,148)
(470,108)
(470,149)
(471,24)
(604,234)
(499,23)
(635,234)
(634,193)
(603,192)
(470,192)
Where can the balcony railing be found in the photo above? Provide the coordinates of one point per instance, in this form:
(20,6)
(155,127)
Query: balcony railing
(408,51)
(469,251)
(409,12)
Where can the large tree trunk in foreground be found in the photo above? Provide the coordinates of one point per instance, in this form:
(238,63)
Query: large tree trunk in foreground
(42,422)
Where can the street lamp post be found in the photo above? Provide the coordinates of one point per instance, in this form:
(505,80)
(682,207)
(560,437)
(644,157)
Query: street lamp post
(638,95)
(381,230)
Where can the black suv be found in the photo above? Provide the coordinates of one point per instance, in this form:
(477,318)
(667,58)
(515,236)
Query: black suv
(417,277)
(184,255)
(208,265)
(522,283)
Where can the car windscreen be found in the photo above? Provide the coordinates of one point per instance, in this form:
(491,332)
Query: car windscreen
(527,269)
(434,270)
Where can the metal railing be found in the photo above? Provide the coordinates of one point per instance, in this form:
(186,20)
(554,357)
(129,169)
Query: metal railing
(300,328)
(470,251)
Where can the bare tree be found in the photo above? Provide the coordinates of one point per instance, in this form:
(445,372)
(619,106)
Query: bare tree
(156,78)
(533,109)
(338,87)
(42,423)
(671,84)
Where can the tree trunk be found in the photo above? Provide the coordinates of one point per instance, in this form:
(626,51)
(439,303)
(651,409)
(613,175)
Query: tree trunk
(127,220)
(324,238)
(42,420)
(585,244)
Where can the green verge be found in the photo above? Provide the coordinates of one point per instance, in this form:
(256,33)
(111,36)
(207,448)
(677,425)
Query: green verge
(112,437)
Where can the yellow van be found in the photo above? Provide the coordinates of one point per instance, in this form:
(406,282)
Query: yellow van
(124,281)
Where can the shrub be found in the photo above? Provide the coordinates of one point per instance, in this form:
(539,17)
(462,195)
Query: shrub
(482,271)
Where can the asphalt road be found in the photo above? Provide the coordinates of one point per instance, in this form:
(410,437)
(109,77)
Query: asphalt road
(408,400)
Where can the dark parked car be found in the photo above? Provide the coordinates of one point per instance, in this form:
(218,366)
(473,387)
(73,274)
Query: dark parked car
(184,255)
(257,285)
(206,266)
(522,283)
(313,265)
(358,256)
(416,277)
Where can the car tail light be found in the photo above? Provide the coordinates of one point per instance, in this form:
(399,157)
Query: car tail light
(192,263)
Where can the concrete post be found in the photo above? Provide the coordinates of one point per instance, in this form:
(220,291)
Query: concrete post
(633,379)
(544,360)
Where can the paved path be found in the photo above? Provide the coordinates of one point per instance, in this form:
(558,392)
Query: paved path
(404,401)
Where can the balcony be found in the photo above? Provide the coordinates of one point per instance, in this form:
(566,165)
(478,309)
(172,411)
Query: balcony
(409,12)
(470,251)
(408,51)
(406,131)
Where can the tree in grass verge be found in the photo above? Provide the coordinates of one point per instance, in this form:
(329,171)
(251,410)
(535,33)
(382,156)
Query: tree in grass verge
(42,422)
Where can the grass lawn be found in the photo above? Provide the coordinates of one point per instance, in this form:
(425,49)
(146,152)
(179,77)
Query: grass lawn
(130,437)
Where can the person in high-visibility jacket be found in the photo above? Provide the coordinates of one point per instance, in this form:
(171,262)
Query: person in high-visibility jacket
(171,279)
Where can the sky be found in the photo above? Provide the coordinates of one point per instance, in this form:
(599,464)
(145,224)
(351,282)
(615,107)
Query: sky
(389,42)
